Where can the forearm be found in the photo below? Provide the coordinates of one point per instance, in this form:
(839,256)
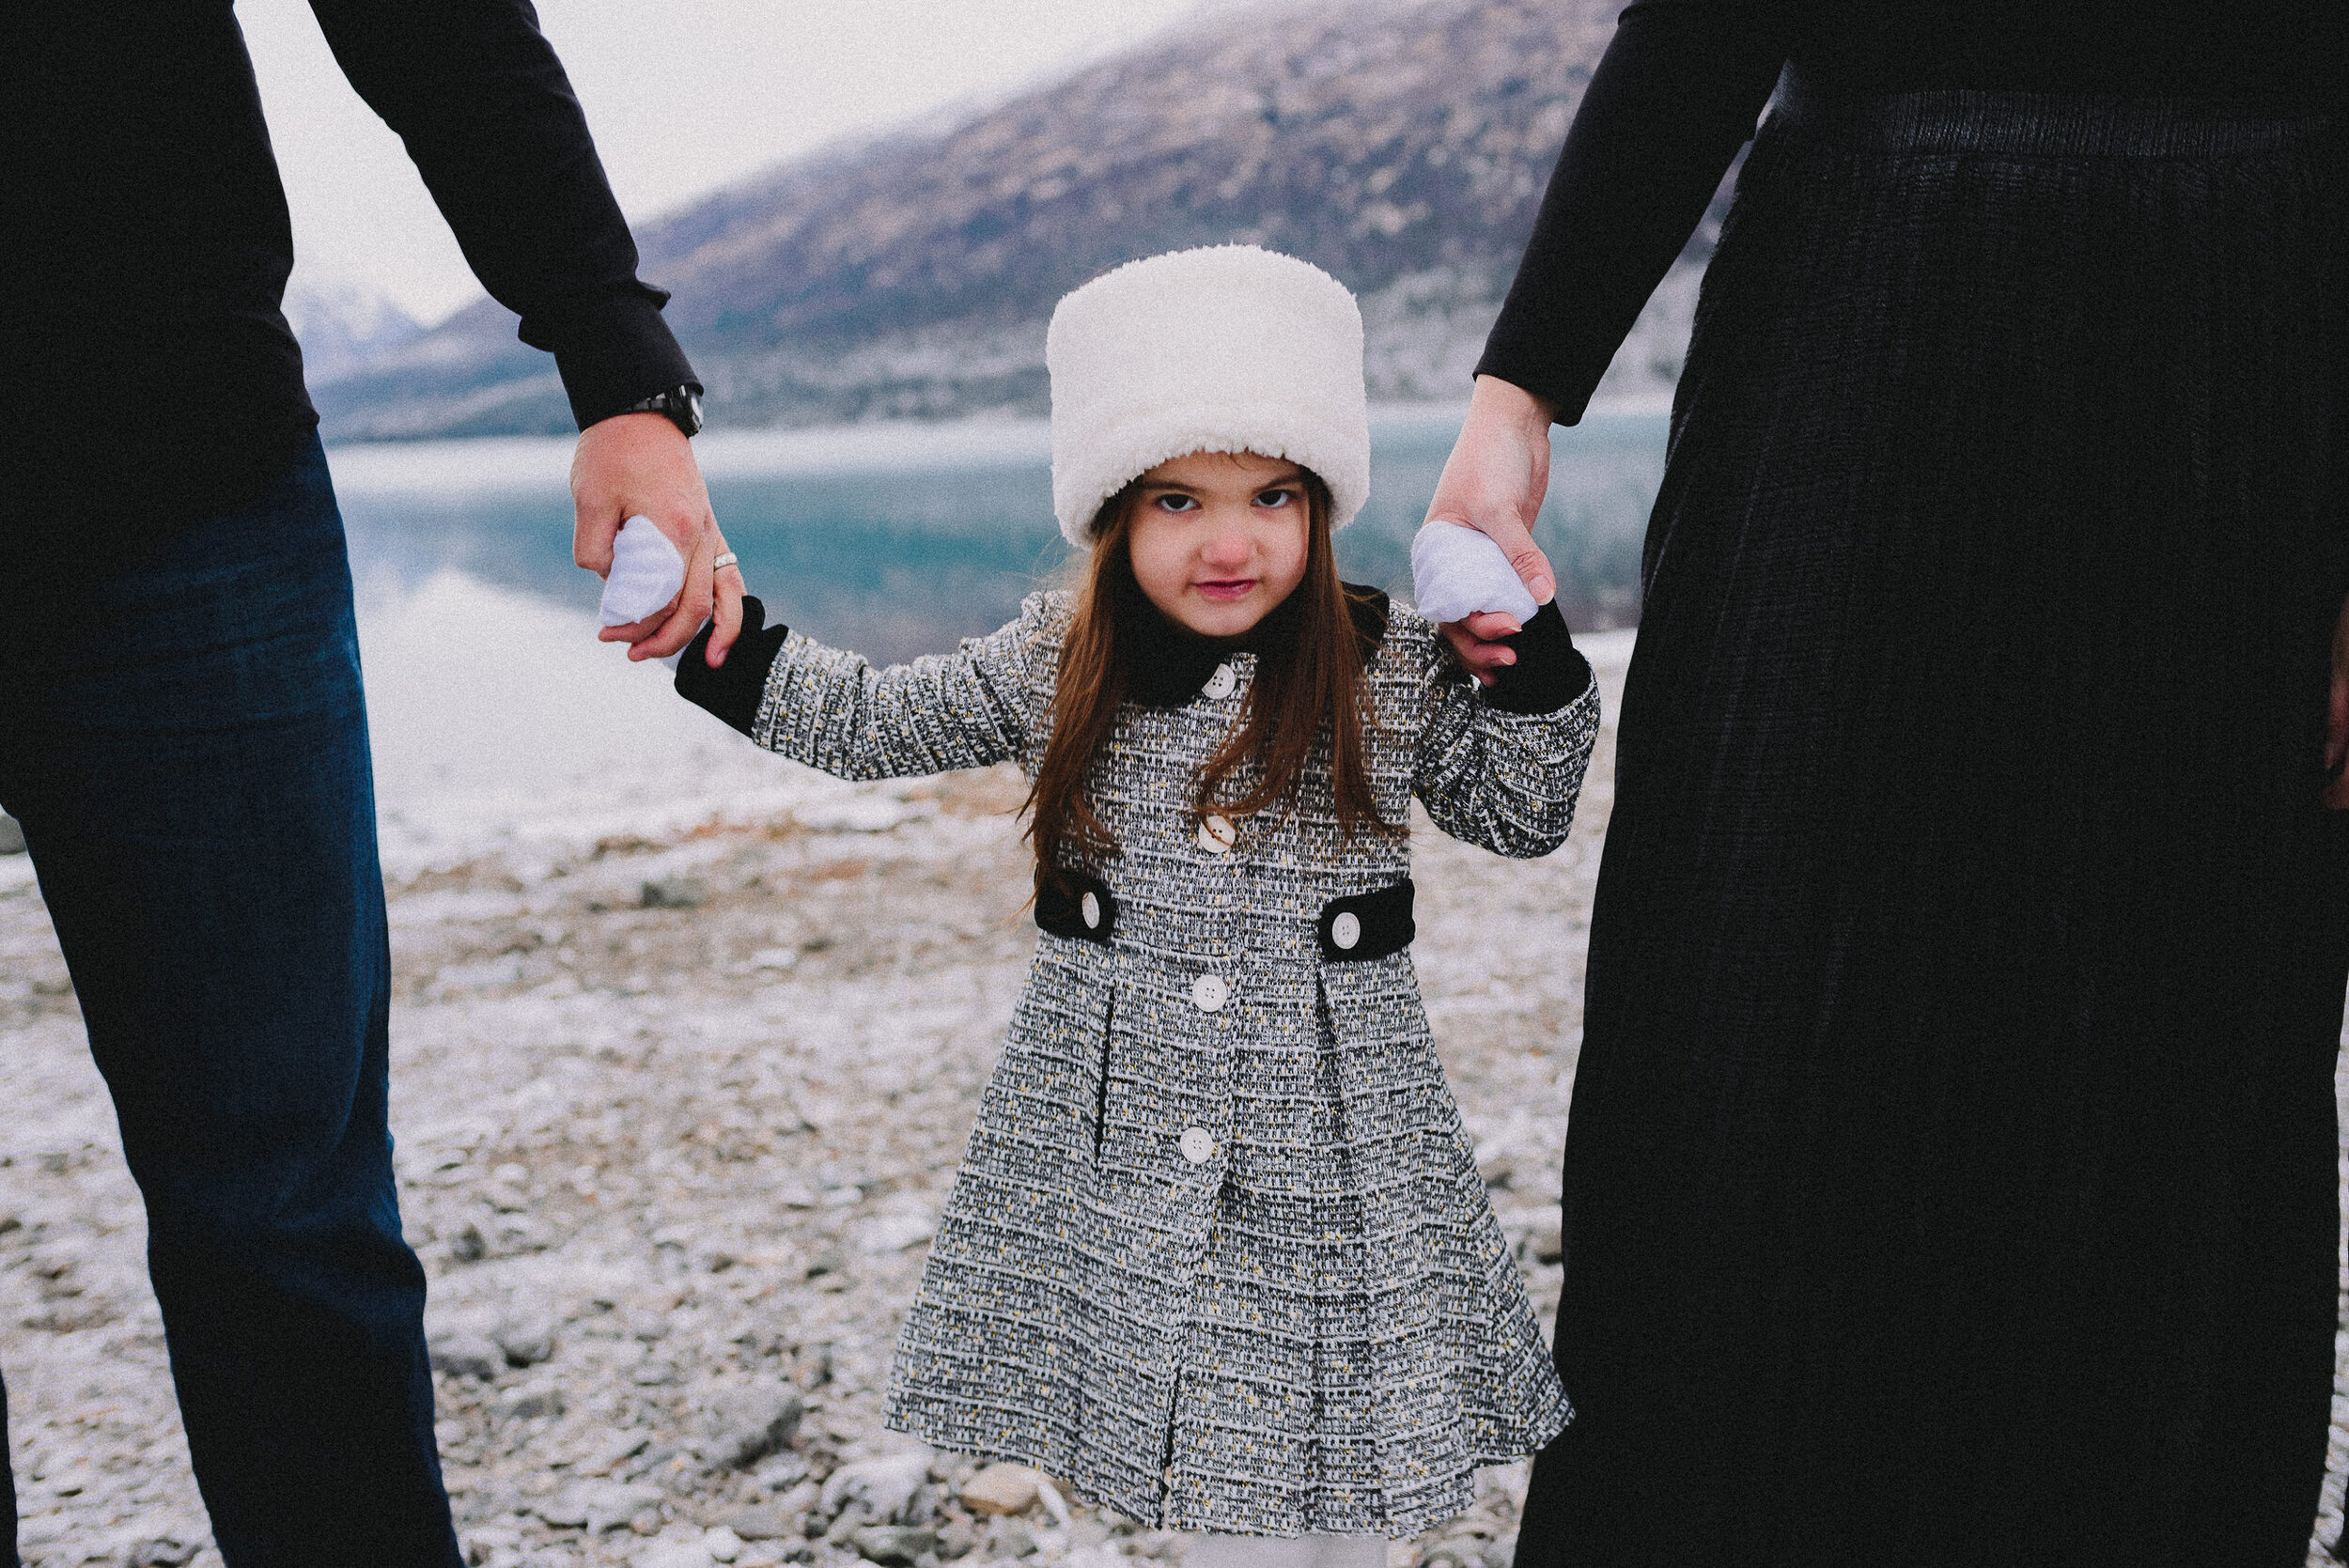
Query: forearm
(1671,100)
(490,118)
(833,711)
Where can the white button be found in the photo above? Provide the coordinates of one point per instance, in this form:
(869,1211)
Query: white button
(1345,930)
(1216,833)
(1092,908)
(1198,1145)
(1221,683)
(1210,993)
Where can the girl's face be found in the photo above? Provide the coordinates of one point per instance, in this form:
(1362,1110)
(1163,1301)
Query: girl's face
(1219,539)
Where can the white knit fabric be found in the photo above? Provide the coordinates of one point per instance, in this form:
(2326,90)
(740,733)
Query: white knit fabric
(646,573)
(1229,348)
(1457,572)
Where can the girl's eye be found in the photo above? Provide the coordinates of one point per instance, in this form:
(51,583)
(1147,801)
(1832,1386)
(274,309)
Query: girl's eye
(1178,504)
(1276,498)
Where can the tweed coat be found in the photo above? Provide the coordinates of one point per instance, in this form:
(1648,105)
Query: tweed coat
(1219,1254)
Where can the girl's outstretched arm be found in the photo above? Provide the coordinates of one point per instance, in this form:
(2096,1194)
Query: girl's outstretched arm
(832,710)
(1502,767)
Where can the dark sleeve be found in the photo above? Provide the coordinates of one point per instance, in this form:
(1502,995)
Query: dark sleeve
(490,118)
(734,689)
(1549,672)
(1674,98)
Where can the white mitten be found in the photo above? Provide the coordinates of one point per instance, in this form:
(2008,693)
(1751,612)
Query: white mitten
(646,573)
(1457,572)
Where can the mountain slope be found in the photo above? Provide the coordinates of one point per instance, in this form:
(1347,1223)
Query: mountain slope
(1402,146)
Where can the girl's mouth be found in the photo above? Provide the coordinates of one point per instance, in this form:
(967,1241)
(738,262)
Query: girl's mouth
(1226,589)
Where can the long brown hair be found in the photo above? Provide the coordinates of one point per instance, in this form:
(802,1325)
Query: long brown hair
(1310,680)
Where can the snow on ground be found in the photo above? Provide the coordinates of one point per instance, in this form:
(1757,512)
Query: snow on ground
(687,1042)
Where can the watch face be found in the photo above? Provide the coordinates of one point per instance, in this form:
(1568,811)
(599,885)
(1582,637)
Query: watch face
(689,412)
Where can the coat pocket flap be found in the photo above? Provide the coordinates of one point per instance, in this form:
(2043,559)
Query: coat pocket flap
(1367,924)
(1075,905)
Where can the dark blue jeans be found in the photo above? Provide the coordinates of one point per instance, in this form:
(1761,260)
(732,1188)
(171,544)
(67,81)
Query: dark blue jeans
(190,764)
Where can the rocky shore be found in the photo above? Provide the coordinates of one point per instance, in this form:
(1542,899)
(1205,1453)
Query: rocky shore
(677,1111)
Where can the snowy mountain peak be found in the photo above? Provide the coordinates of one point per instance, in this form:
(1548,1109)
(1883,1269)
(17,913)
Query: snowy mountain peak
(344,328)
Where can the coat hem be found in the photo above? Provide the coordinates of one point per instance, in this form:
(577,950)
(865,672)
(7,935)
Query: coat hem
(1458,1489)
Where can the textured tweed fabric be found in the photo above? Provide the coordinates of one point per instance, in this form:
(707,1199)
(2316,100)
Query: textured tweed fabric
(1219,1253)
(1950,1179)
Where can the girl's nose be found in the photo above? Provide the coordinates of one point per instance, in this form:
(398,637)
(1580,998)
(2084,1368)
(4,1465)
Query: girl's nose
(1226,547)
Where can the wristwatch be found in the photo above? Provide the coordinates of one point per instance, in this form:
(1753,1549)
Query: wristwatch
(681,404)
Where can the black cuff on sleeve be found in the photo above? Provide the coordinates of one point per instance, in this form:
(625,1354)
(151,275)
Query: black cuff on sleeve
(1549,672)
(1527,371)
(615,354)
(734,689)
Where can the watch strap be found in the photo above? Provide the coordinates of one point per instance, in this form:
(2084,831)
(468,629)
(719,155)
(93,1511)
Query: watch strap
(681,405)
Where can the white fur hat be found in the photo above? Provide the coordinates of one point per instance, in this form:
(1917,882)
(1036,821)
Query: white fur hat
(1229,348)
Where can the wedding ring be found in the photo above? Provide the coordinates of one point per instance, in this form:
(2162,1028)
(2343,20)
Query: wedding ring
(722,562)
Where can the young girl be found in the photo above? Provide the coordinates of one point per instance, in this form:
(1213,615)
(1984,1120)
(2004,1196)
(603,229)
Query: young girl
(1219,1254)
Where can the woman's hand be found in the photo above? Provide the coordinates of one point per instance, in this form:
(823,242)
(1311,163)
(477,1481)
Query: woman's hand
(2337,717)
(1494,481)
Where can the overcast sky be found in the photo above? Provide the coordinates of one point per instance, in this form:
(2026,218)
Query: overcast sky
(683,95)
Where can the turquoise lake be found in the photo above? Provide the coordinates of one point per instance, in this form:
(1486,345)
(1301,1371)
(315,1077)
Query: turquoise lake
(897,542)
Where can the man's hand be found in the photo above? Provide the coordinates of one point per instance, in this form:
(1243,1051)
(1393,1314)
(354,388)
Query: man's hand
(2337,717)
(636,464)
(1494,481)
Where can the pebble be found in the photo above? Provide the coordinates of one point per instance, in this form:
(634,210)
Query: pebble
(1002,1489)
(599,1505)
(526,1341)
(883,1487)
(894,1233)
(468,1244)
(467,1355)
(613,1450)
(528,1405)
(761,1522)
(483,1540)
(1009,1538)
(893,1546)
(674,892)
(750,1423)
(1459,1552)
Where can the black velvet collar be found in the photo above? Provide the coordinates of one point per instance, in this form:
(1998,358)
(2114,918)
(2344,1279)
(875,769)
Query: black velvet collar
(1167,664)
